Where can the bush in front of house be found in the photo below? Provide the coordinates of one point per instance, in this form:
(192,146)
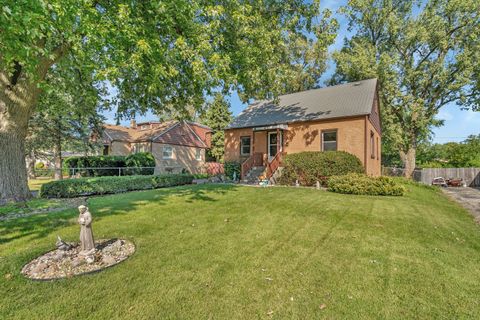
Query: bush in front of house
(232,167)
(137,163)
(361,184)
(70,188)
(312,166)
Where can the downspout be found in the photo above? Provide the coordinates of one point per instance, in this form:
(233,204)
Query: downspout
(366,145)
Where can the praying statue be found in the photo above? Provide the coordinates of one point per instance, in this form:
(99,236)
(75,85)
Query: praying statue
(86,235)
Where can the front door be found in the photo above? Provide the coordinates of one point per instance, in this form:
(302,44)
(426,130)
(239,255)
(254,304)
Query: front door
(272,145)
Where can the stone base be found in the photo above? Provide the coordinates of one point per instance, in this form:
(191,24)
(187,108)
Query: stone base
(57,264)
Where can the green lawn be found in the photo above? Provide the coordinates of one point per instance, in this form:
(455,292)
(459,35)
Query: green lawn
(35,184)
(244,253)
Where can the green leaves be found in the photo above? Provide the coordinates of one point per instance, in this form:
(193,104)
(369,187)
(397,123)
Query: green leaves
(425,57)
(217,116)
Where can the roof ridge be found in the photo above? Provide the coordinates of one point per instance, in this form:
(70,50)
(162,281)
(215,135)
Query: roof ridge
(196,135)
(198,124)
(342,100)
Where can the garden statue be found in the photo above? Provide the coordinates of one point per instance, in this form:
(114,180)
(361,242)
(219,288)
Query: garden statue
(86,235)
(62,245)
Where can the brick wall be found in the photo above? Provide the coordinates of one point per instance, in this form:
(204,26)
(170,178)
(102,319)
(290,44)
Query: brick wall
(353,136)
(183,158)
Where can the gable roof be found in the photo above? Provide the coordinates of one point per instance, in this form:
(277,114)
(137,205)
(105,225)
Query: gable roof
(168,132)
(344,100)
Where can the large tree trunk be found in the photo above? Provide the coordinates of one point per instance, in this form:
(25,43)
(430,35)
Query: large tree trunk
(17,102)
(409,160)
(13,172)
(19,92)
(58,162)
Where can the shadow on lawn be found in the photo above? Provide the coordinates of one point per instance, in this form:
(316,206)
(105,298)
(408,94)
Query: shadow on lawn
(40,226)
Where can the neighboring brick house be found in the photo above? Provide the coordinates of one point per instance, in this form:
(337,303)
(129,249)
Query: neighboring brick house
(342,117)
(176,145)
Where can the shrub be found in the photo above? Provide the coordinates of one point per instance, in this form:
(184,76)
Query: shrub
(310,167)
(231,168)
(39,165)
(104,165)
(136,161)
(105,162)
(70,188)
(201,176)
(355,183)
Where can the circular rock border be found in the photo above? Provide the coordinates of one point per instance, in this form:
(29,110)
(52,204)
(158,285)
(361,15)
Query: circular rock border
(60,264)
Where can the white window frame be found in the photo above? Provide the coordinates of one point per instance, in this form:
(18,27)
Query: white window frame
(241,146)
(164,149)
(198,154)
(323,139)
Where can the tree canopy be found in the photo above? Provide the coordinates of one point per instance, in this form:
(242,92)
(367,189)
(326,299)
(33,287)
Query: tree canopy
(425,55)
(452,154)
(157,54)
(217,116)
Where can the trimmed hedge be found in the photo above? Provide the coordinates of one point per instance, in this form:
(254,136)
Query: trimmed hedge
(232,167)
(131,163)
(312,166)
(70,188)
(138,160)
(361,184)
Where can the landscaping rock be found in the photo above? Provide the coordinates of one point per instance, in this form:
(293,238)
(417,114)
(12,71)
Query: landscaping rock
(108,260)
(215,179)
(199,181)
(58,263)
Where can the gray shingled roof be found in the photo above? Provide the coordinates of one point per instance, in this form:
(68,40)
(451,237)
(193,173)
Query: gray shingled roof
(344,100)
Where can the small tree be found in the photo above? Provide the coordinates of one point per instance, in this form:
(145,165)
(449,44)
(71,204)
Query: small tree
(217,117)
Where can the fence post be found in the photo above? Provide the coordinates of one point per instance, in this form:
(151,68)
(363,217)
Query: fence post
(119,171)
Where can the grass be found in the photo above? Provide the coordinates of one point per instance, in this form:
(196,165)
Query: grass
(29,206)
(35,184)
(229,252)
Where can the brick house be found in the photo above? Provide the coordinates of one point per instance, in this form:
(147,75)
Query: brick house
(176,145)
(343,117)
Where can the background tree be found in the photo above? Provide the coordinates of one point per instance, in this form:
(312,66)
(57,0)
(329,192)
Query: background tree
(217,116)
(155,53)
(66,117)
(451,154)
(425,57)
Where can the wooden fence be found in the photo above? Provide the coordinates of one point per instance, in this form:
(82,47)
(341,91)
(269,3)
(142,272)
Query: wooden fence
(214,168)
(471,176)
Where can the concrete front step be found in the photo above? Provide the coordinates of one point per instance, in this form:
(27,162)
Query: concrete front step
(252,176)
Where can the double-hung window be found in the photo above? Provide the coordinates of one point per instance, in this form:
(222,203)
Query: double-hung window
(245,144)
(198,154)
(167,152)
(329,140)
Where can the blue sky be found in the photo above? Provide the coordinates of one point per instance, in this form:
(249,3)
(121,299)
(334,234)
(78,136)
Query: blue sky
(458,123)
